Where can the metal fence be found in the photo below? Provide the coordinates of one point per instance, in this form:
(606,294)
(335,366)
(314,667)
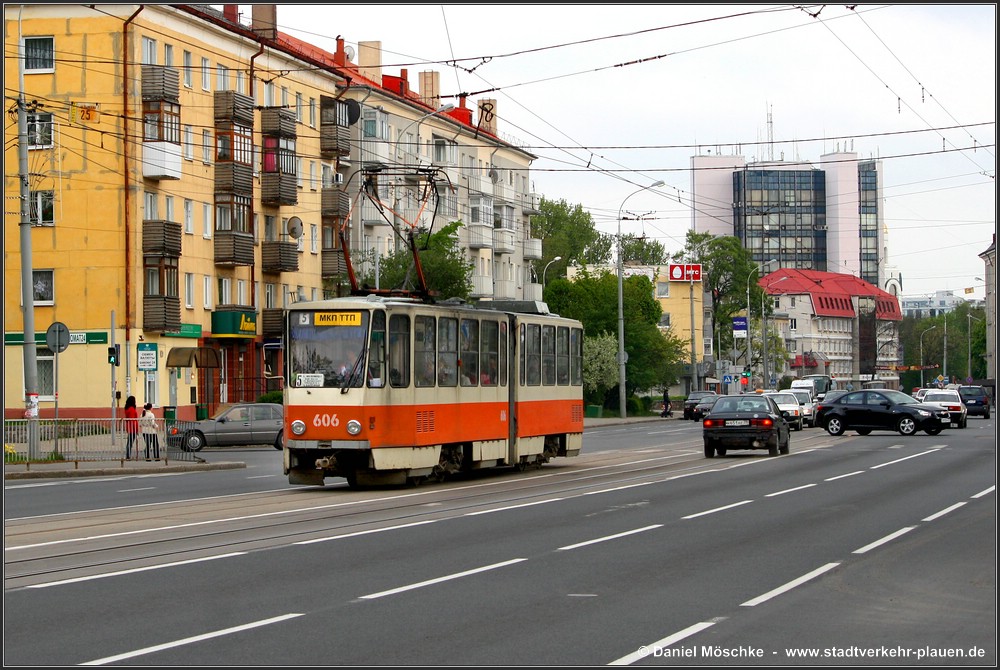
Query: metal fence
(80,440)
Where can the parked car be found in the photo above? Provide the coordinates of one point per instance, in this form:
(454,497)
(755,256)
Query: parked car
(745,422)
(977,402)
(806,405)
(951,401)
(880,409)
(693,399)
(787,402)
(920,393)
(703,407)
(237,425)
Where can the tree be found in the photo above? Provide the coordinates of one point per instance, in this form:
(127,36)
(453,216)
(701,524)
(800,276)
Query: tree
(600,367)
(643,251)
(446,268)
(569,232)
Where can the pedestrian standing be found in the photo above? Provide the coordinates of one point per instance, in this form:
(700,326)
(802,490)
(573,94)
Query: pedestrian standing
(131,427)
(150,431)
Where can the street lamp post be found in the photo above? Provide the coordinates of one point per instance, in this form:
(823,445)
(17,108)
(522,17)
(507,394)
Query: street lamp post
(968,332)
(447,107)
(557,258)
(922,354)
(763,331)
(756,268)
(621,307)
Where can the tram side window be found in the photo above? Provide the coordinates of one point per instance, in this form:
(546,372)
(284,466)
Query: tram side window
(489,350)
(447,351)
(504,348)
(424,351)
(399,350)
(562,356)
(531,354)
(470,352)
(576,357)
(376,351)
(549,355)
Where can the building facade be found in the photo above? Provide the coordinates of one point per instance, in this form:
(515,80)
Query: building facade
(190,174)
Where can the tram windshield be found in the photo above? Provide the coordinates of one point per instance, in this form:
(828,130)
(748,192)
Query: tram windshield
(326,348)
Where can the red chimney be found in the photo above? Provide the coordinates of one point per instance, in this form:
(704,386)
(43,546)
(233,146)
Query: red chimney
(231,12)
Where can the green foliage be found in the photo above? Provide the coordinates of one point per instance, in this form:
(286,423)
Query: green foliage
(569,232)
(446,269)
(641,250)
(600,367)
(272,396)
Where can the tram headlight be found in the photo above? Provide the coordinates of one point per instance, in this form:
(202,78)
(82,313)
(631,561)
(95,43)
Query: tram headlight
(298,427)
(353,427)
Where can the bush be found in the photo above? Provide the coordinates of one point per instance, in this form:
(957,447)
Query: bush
(272,396)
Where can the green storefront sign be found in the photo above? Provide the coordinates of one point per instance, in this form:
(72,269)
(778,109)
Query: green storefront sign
(234,324)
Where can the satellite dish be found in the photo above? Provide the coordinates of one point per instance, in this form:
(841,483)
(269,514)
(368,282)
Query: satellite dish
(295,227)
(494,175)
(349,52)
(353,111)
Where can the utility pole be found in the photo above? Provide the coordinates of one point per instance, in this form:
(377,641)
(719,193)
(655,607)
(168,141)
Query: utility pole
(27,269)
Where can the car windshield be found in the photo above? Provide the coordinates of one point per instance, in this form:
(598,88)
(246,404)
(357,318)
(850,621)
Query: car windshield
(972,391)
(784,399)
(941,396)
(804,398)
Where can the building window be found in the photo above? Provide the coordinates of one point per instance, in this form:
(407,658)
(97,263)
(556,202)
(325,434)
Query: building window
(148,51)
(206,282)
(161,276)
(206,147)
(206,74)
(188,142)
(42,210)
(314,238)
(279,155)
(662,289)
(161,121)
(189,216)
(445,151)
(223,76)
(791,324)
(43,290)
(241,292)
(206,220)
(39,131)
(225,290)
(168,201)
(39,54)
(312,112)
(232,212)
(189,290)
(168,55)
(187,69)
(298,107)
(234,144)
(45,359)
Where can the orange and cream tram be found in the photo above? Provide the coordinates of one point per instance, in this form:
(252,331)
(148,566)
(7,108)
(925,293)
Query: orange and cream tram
(394,390)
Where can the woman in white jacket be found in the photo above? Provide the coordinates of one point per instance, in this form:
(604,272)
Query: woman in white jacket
(150,431)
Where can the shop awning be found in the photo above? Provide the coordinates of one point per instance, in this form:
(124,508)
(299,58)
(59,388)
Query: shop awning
(188,357)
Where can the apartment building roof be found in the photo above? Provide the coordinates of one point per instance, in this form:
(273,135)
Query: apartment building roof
(831,293)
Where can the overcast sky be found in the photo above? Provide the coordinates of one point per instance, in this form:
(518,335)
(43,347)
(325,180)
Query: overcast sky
(612,98)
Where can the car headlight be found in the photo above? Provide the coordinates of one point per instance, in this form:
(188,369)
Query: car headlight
(298,427)
(922,412)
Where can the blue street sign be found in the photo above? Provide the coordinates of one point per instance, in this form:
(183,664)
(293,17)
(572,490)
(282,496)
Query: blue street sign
(727,379)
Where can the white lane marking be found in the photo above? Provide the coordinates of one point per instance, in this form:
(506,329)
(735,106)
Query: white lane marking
(940,514)
(133,570)
(797,488)
(367,532)
(790,585)
(849,474)
(717,509)
(905,458)
(189,640)
(438,580)
(609,537)
(888,538)
(985,492)
(509,507)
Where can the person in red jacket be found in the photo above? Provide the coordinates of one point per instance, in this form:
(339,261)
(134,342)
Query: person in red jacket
(131,428)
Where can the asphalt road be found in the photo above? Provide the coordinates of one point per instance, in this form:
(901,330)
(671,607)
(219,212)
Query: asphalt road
(640,551)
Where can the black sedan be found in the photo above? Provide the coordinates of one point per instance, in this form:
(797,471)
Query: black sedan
(703,407)
(692,400)
(881,409)
(745,422)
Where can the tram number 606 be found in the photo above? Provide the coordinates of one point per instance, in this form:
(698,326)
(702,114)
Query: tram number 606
(326,420)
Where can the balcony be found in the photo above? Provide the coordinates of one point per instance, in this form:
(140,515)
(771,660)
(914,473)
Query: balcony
(161,160)
(503,241)
(482,286)
(533,292)
(532,249)
(530,203)
(161,82)
(480,236)
(336,203)
(279,256)
(277,122)
(272,322)
(161,238)
(334,141)
(161,313)
(277,189)
(231,106)
(334,264)
(234,178)
(232,248)
(504,289)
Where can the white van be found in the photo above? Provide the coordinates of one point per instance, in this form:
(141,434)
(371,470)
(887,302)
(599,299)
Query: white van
(805,384)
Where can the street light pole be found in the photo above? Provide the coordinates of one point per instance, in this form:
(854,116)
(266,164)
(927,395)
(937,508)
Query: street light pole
(557,258)
(756,268)
(621,307)
(922,354)
(968,332)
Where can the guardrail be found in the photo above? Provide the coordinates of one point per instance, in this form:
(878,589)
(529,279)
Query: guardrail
(84,440)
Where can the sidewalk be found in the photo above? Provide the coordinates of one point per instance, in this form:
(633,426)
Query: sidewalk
(117,467)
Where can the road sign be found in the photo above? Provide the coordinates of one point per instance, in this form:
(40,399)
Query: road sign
(739,327)
(727,379)
(57,337)
(146,356)
(686,272)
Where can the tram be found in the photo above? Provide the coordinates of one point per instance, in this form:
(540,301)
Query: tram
(392,390)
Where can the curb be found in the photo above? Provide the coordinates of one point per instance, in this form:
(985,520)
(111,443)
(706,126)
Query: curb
(118,471)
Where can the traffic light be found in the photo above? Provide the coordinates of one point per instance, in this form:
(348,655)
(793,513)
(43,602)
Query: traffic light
(114,355)
(746,373)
